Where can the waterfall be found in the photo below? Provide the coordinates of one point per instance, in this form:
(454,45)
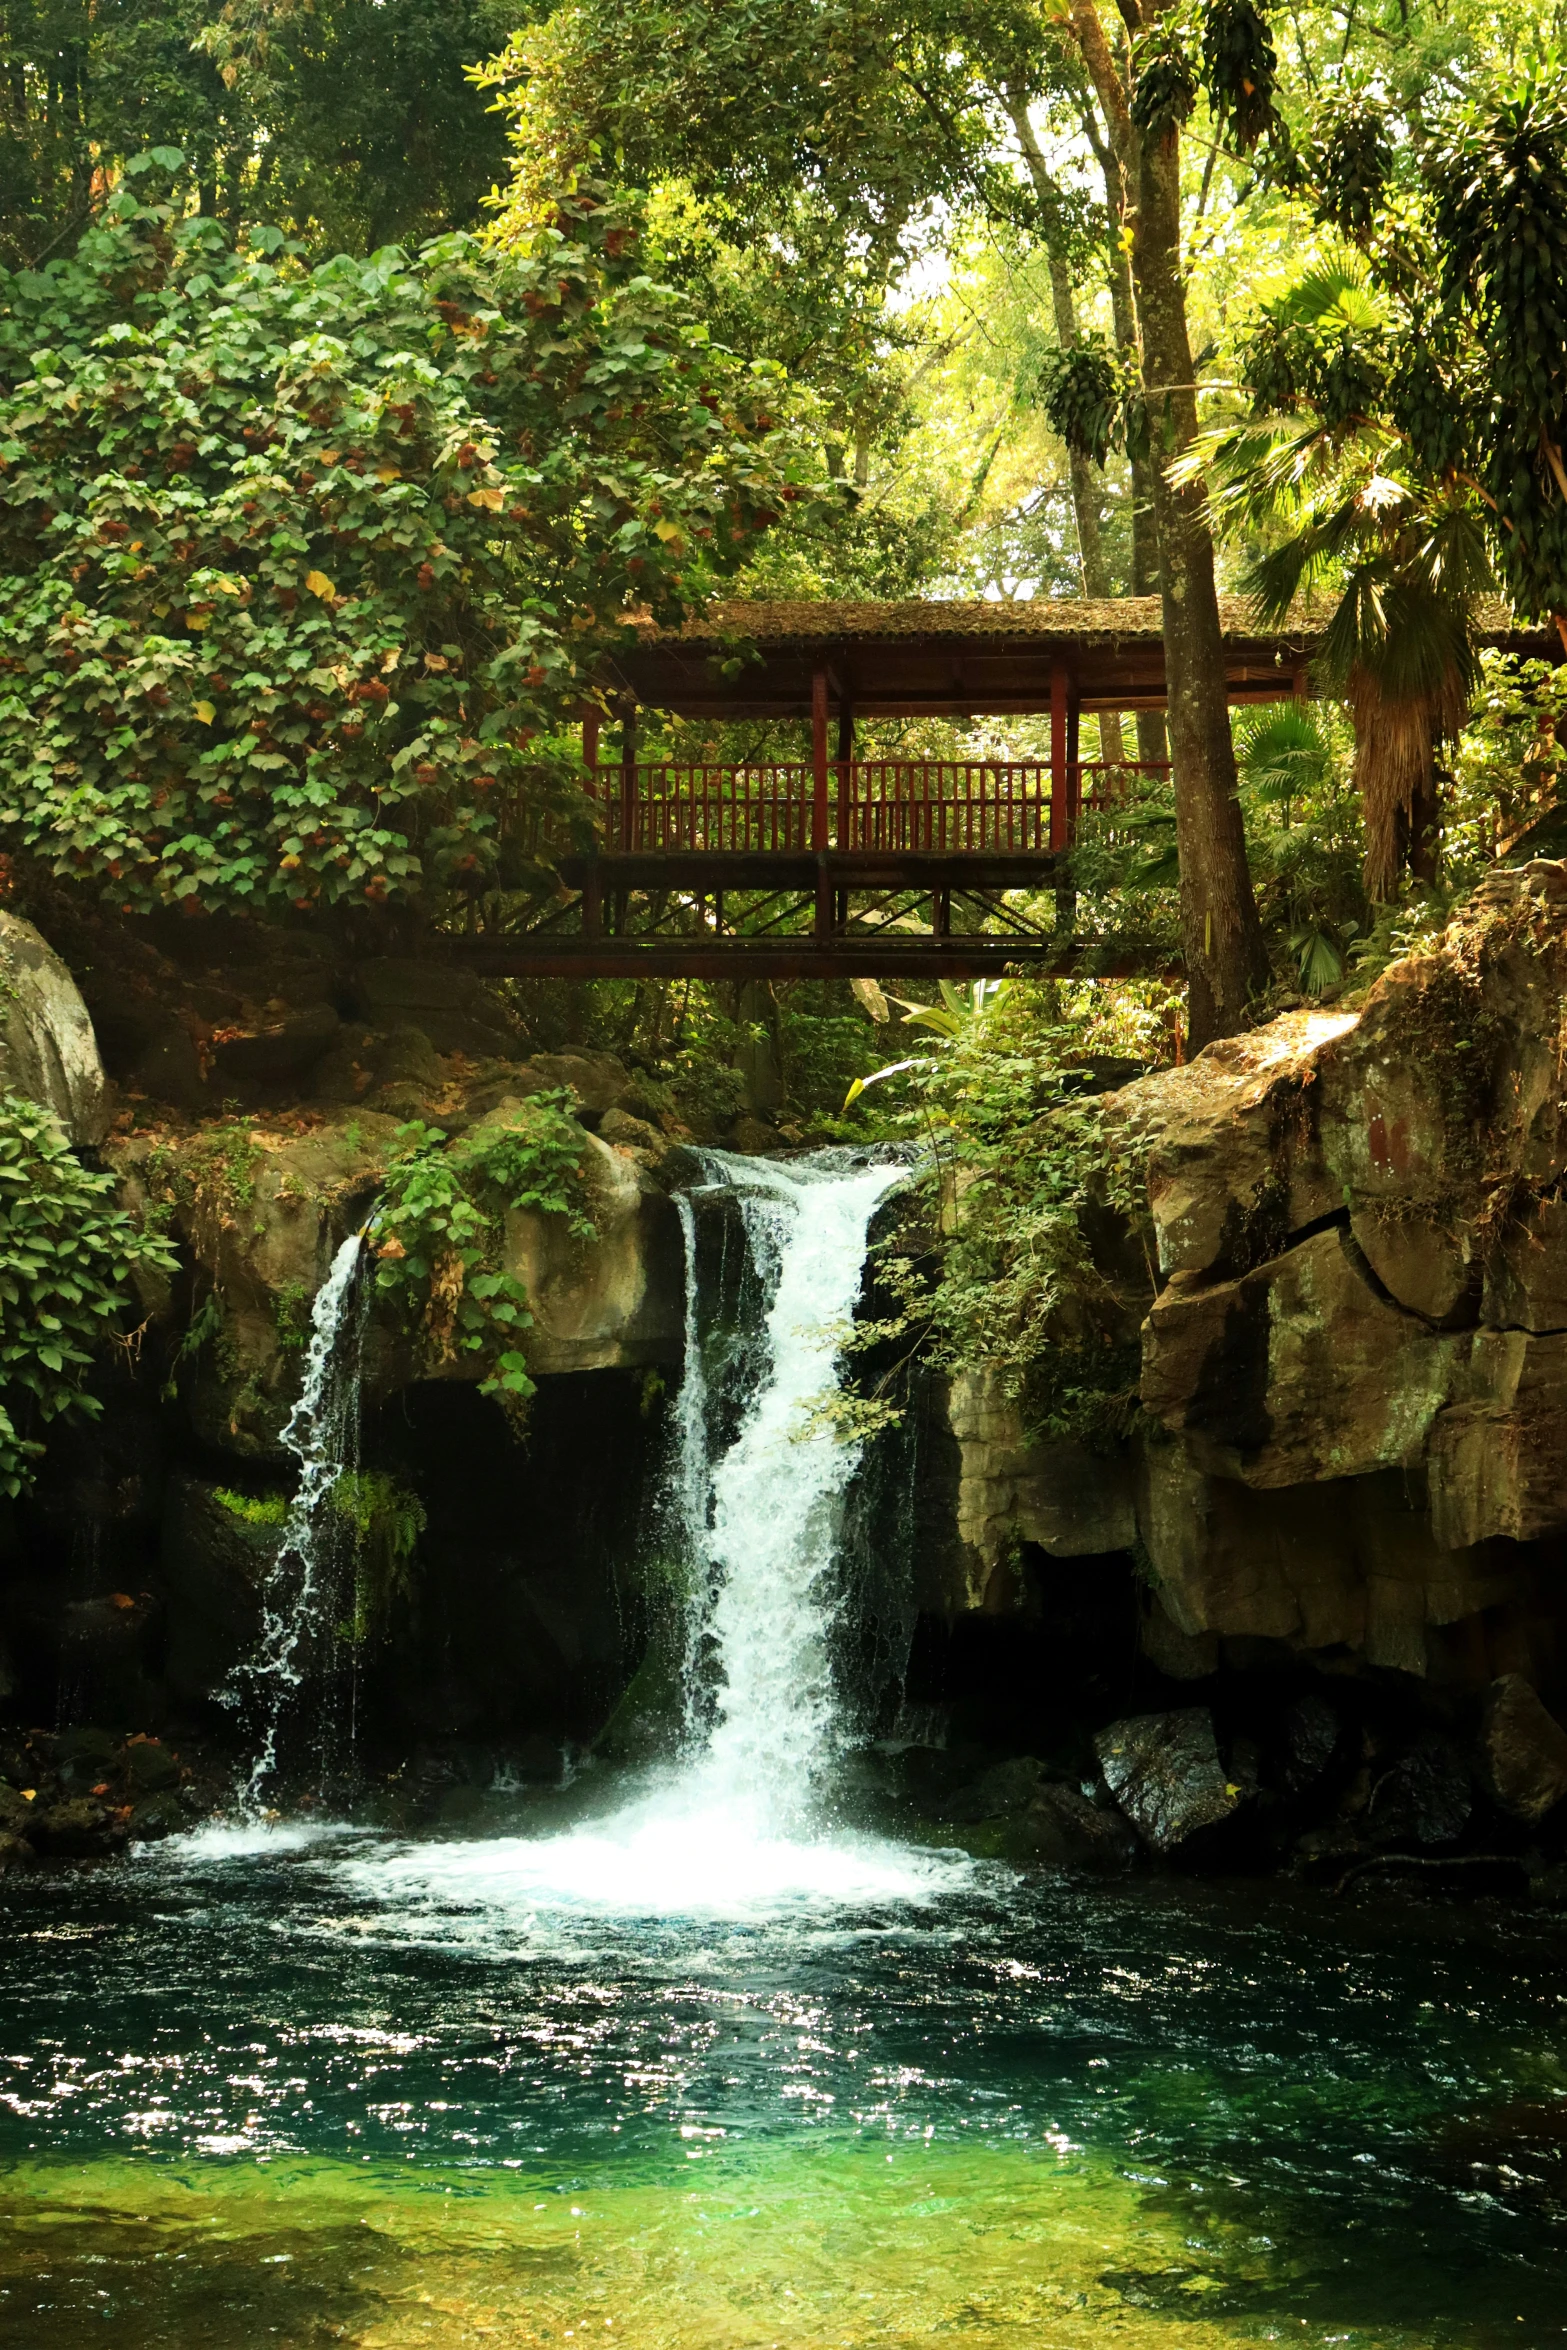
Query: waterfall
(298,1589)
(775,1497)
(690,1481)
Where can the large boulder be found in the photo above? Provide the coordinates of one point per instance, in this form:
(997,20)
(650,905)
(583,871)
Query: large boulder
(614,1301)
(453,1007)
(1233,1163)
(261,1205)
(1347,1563)
(1523,1749)
(47,1047)
(1164,1772)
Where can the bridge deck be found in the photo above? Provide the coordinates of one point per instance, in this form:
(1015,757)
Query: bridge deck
(846,867)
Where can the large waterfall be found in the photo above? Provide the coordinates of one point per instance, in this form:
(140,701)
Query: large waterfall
(765,1520)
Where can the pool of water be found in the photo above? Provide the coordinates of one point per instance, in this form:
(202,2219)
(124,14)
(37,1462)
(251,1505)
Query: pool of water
(520,2088)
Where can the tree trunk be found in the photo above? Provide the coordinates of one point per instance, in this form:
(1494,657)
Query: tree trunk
(1152,740)
(1226,959)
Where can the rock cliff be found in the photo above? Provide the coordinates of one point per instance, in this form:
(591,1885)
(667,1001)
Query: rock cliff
(1353,1444)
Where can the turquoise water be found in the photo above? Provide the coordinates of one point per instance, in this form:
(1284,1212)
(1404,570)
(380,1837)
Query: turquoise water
(366,2091)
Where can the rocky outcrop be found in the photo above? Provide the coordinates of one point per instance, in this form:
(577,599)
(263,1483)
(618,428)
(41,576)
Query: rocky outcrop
(1355,1348)
(47,1047)
(1072,1502)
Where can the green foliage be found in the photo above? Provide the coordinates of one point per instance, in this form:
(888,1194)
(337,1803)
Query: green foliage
(299,570)
(1164,85)
(384,1520)
(1084,397)
(1501,226)
(1351,165)
(268,1509)
(67,1258)
(1037,1196)
(291,1317)
(352,119)
(439,1232)
(1239,65)
(1030,1200)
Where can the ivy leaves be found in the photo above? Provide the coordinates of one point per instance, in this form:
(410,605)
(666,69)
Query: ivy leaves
(439,1232)
(67,1256)
(302,571)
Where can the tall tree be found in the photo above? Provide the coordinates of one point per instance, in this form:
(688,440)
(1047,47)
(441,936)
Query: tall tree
(301,569)
(352,121)
(1226,959)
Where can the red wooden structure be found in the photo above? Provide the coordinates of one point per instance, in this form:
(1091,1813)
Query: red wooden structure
(843,866)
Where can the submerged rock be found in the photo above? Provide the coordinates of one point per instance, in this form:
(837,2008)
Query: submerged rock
(1523,1749)
(1164,1772)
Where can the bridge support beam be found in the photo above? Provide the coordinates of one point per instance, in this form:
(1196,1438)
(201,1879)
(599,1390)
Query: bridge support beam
(820,817)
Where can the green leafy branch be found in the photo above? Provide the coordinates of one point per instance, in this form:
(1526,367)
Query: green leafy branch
(439,1233)
(67,1259)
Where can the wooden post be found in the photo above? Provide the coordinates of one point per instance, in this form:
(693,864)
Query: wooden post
(590,739)
(1074,771)
(819,806)
(1301,683)
(845,775)
(1058,702)
(628,776)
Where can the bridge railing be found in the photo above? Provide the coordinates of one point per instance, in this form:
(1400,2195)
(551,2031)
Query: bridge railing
(873,806)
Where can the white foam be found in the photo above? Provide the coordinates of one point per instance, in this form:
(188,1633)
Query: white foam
(243,1839)
(661,1860)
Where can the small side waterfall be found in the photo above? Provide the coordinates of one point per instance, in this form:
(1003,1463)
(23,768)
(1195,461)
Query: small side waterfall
(322,1436)
(764,1521)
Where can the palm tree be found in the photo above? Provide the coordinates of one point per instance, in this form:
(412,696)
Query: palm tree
(1329,487)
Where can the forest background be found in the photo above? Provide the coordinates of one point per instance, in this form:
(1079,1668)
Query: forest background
(898,244)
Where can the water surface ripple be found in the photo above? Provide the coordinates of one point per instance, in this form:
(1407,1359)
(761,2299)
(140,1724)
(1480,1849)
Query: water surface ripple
(314,2088)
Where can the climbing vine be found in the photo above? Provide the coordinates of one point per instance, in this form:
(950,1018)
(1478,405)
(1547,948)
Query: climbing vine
(67,1258)
(439,1232)
(384,1520)
(1024,1253)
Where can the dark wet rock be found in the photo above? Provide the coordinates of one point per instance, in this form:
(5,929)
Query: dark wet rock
(15,1851)
(1072,1832)
(1164,1772)
(1549,1887)
(214,1564)
(1426,1798)
(155,1817)
(1523,1749)
(453,1008)
(281,1051)
(168,1069)
(1311,1736)
(150,1766)
(16,1813)
(1010,1787)
(80,1829)
(97,1749)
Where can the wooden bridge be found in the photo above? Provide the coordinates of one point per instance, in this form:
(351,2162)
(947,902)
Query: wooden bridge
(841,866)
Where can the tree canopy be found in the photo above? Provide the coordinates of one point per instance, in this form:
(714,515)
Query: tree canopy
(301,569)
